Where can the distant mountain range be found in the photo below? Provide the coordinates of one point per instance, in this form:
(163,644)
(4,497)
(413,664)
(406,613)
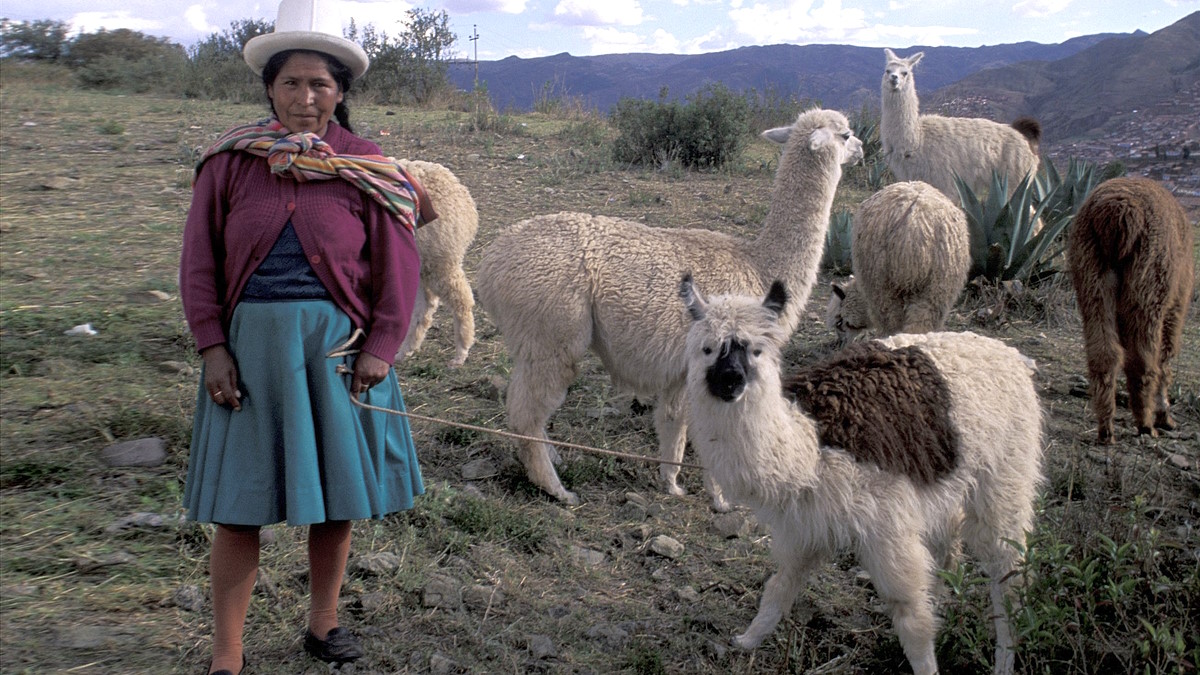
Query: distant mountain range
(1075,87)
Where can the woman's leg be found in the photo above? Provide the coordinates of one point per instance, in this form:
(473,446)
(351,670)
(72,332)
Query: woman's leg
(233,567)
(328,550)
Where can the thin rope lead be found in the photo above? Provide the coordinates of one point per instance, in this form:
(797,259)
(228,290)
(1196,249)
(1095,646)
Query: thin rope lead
(519,437)
(348,348)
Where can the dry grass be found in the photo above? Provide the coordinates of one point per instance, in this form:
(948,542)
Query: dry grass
(106,230)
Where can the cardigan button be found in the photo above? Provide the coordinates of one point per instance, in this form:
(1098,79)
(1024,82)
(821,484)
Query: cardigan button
(291,206)
(316,260)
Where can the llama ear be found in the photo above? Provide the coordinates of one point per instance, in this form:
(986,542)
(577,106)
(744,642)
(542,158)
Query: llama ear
(915,59)
(691,297)
(838,290)
(778,135)
(776,298)
(891,55)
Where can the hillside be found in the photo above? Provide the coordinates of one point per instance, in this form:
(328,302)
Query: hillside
(836,75)
(1093,91)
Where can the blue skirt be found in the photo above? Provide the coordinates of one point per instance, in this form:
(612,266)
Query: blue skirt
(298,450)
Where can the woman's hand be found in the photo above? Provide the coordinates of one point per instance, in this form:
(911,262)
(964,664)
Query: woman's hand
(221,377)
(368,371)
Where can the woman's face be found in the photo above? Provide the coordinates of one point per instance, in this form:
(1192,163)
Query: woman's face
(304,94)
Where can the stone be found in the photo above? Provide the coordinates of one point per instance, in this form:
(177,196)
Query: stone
(665,546)
(382,562)
(588,557)
(732,525)
(478,469)
(147,297)
(441,592)
(151,451)
(541,647)
(480,597)
(440,664)
(188,597)
(176,368)
(610,634)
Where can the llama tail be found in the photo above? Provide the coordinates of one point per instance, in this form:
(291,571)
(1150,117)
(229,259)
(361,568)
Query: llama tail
(1031,129)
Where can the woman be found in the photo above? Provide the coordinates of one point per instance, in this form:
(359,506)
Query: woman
(299,235)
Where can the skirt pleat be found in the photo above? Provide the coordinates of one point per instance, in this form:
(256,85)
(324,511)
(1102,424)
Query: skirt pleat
(299,450)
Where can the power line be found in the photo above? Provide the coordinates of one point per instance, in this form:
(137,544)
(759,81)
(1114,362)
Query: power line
(475,38)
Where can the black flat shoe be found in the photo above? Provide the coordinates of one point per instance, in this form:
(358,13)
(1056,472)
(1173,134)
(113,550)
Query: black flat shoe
(339,646)
(226,671)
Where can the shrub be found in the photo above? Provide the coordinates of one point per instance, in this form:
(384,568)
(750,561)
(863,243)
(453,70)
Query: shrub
(1006,242)
(708,131)
(836,258)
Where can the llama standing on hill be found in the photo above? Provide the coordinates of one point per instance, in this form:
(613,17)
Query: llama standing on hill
(442,244)
(934,149)
(911,252)
(917,434)
(1132,265)
(558,285)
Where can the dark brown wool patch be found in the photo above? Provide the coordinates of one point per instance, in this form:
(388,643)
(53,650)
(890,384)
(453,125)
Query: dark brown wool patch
(888,407)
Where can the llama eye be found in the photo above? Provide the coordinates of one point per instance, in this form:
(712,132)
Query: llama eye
(758,352)
(846,135)
(707,351)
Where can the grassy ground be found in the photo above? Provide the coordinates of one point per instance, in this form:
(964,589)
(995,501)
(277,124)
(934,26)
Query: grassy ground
(94,193)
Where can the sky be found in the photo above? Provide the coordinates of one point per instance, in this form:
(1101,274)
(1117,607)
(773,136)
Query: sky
(533,28)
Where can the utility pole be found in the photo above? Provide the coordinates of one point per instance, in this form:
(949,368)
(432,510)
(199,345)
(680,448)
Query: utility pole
(475,38)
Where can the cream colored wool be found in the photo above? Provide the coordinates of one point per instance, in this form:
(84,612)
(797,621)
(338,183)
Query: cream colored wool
(911,253)
(442,244)
(559,285)
(933,148)
(817,500)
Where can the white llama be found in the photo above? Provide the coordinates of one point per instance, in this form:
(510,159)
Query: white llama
(934,149)
(917,438)
(560,284)
(442,244)
(911,252)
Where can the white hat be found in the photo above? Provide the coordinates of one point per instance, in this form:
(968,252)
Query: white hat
(315,25)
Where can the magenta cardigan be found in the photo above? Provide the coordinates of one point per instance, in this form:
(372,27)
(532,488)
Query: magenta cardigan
(366,259)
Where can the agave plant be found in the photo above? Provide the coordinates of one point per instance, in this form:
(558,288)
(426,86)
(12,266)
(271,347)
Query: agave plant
(1021,236)
(836,258)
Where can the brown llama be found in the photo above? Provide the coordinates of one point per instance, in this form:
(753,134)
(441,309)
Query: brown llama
(1130,252)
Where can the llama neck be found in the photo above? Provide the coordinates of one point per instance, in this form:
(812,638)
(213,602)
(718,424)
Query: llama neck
(758,448)
(793,235)
(899,120)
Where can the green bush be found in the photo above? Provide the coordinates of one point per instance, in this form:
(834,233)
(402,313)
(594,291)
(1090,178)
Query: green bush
(1023,236)
(836,258)
(707,132)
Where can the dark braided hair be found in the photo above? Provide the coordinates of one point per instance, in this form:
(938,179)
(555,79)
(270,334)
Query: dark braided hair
(339,72)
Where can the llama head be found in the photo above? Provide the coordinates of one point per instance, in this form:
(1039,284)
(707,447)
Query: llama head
(897,74)
(847,313)
(732,337)
(823,131)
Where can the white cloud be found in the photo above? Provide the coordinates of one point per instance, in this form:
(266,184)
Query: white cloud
(598,12)
(385,16)
(198,19)
(797,21)
(616,41)
(90,22)
(480,6)
(1036,9)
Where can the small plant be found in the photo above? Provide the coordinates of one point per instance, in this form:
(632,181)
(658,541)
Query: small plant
(1022,236)
(707,132)
(837,259)
(111,128)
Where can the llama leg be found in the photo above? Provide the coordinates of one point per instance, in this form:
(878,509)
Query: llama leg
(670,424)
(1001,514)
(901,570)
(1172,333)
(422,318)
(1103,357)
(1141,370)
(462,303)
(778,595)
(538,387)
